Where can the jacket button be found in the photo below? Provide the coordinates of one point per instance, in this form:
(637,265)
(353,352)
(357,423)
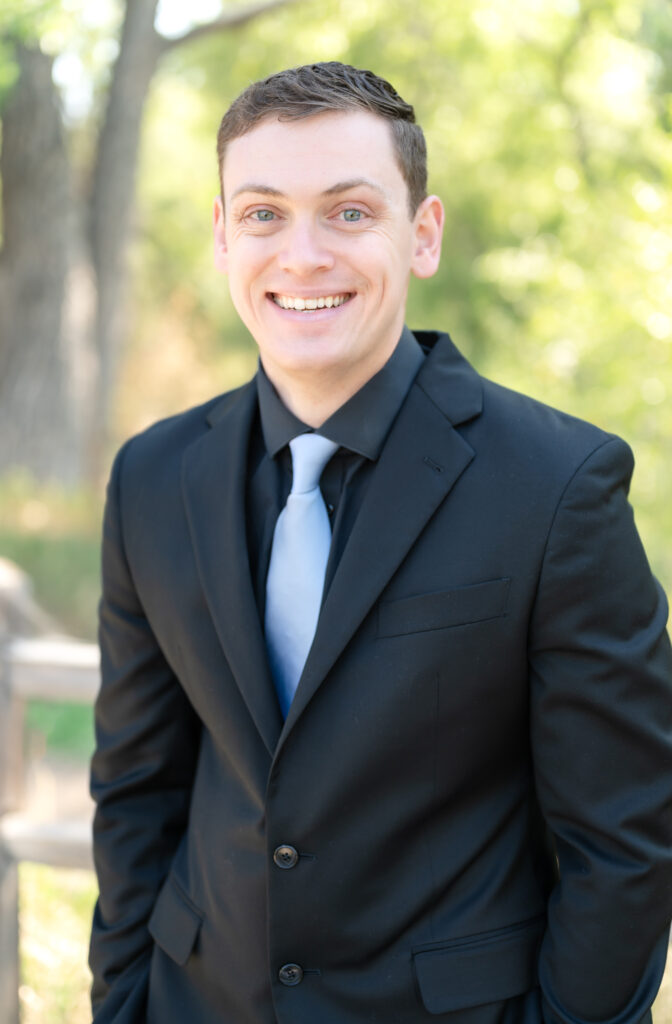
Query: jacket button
(285,857)
(291,974)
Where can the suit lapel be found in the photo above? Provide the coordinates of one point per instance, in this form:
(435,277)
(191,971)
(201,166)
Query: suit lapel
(421,461)
(214,475)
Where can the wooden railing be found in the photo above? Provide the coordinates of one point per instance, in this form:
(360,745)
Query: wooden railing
(34,669)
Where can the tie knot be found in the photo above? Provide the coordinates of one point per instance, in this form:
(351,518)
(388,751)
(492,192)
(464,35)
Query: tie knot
(310,454)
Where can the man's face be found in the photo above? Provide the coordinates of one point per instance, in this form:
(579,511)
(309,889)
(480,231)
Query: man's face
(318,244)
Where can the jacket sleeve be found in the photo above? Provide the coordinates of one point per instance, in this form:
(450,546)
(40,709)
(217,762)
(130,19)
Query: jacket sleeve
(141,779)
(601,731)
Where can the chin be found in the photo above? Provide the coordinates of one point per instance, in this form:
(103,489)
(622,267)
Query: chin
(310,353)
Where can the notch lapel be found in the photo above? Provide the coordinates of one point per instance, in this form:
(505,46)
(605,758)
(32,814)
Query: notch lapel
(214,485)
(420,462)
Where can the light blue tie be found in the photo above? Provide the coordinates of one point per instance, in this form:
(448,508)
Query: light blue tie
(298,563)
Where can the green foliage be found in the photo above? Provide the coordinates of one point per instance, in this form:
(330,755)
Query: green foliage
(65,574)
(53,535)
(24,20)
(64,729)
(21,21)
(9,71)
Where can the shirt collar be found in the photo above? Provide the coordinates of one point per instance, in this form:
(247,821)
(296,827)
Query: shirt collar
(363,422)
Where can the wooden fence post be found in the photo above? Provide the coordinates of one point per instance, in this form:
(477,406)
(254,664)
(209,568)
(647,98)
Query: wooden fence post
(19,616)
(12,715)
(9,880)
(9,939)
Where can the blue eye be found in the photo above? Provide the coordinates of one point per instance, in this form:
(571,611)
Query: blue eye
(352,216)
(263,215)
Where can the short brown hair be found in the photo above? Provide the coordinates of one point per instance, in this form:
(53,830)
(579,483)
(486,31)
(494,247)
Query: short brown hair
(331,86)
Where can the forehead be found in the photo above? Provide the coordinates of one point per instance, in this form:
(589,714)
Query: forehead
(308,156)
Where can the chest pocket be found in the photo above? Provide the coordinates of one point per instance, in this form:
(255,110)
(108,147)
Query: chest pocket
(442,609)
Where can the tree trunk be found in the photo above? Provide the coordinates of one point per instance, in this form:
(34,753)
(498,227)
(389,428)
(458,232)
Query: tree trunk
(111,205)
(37,405)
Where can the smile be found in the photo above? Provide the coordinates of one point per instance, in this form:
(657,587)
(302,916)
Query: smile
(307,305)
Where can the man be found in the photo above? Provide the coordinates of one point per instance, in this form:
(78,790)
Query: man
(426,771)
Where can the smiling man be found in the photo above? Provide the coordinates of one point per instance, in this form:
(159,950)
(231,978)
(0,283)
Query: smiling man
(385,726)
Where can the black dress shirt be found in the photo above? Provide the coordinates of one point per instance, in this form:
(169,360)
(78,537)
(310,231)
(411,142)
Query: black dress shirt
(359,427)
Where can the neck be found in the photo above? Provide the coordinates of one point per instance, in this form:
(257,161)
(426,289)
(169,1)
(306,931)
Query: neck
(314,397)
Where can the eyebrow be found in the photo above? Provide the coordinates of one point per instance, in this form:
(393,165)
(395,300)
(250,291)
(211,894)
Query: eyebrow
(345,186)
(264,190)
(340,186)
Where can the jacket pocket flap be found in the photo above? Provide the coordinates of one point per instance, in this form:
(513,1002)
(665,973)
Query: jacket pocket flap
(484,969)
(455,607)
(175,922)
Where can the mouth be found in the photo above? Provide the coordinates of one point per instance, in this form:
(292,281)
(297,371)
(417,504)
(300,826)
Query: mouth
(310,305)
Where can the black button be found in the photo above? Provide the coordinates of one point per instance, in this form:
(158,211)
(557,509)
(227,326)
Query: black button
(285,857)
(291,974)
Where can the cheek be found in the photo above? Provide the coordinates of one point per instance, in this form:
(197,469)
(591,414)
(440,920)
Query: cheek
(244,272)
(239,296)
(258,263)
(384,258)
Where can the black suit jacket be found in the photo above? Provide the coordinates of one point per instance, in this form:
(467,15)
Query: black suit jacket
(476,770)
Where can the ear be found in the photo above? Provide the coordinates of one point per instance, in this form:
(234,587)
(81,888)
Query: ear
(221,251)
(428,232)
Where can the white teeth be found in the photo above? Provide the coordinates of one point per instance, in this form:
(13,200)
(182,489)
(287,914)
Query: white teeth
(328,301)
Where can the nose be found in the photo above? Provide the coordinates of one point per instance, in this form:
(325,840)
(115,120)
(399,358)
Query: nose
(305,249)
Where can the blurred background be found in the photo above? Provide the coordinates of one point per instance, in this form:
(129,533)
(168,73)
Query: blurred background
(549,127)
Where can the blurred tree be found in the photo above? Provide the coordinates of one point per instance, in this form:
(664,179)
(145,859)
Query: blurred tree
(37,427)
(63,261)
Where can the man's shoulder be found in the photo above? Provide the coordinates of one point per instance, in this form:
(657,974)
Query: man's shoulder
(523,412)
(164,442)
(545,441)
(509,421)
